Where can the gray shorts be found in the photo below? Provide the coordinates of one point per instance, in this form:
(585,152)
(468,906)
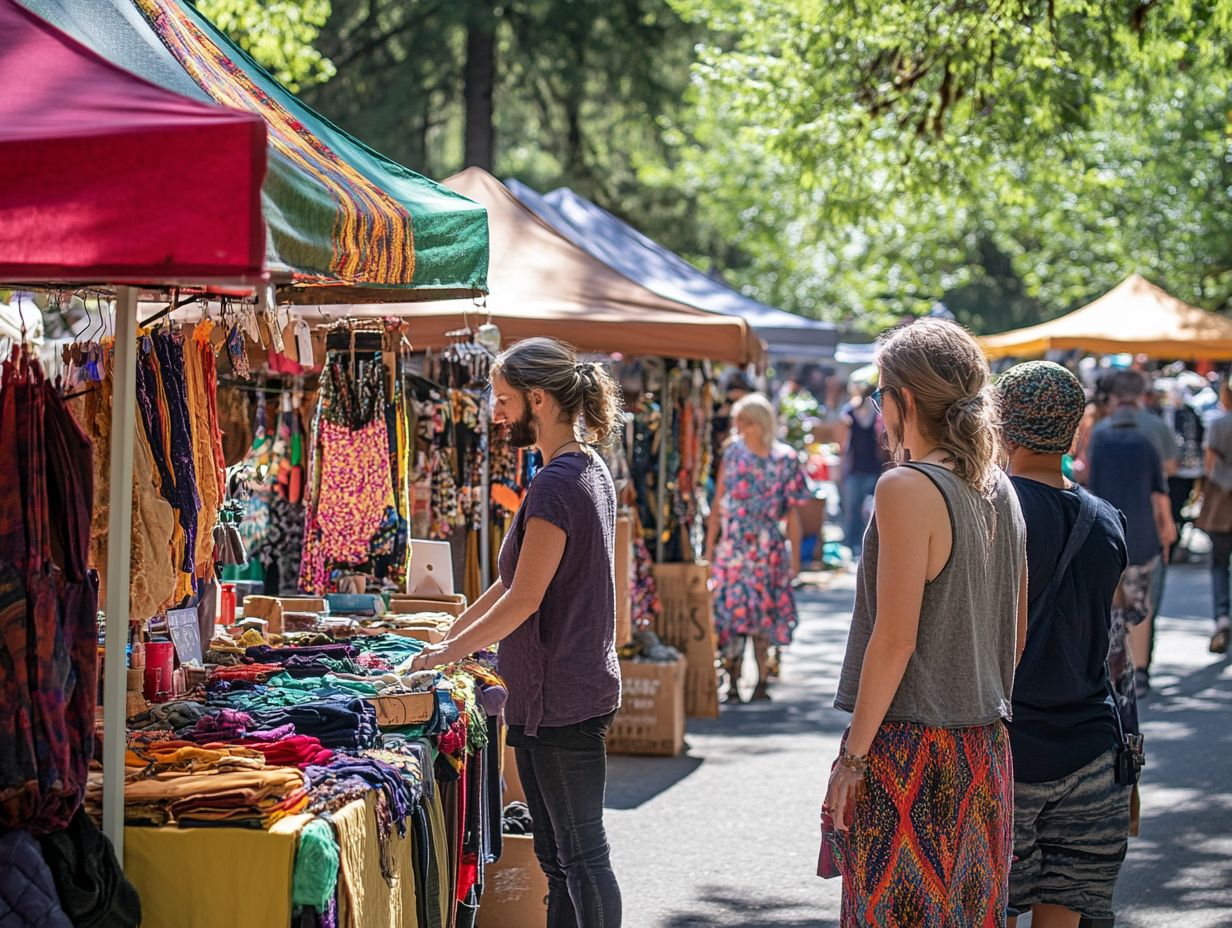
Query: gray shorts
(1070,837)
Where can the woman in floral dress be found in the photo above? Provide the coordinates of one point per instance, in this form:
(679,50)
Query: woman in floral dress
(760,485)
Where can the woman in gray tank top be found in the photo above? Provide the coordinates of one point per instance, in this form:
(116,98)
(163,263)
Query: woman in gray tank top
(920,799)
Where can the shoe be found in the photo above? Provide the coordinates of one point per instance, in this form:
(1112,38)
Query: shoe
(1219,640)
(760,693)
(1142,683)
(733,696)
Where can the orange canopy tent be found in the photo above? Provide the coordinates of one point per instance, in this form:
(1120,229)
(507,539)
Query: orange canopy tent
(1135,316)
(542,284)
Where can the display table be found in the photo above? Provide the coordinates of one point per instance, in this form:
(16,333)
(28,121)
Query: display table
(241,877)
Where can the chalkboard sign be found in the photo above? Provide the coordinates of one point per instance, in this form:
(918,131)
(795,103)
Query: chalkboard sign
(185,633)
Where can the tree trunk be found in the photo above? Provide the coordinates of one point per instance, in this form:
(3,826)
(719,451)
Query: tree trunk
(480,79)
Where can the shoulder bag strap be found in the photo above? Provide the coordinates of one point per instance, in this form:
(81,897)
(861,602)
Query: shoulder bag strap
(1083,524)
(1077,538)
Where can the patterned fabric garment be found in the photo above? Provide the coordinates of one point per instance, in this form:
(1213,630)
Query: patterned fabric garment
(752,571)
(48,604)
(355,490)
(930,843)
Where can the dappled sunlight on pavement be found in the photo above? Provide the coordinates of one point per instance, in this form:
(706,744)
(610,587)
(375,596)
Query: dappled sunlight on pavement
(727,834)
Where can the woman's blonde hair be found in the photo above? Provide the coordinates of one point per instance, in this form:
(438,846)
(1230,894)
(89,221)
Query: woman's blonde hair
(757,410)
(947,374)
(584,390)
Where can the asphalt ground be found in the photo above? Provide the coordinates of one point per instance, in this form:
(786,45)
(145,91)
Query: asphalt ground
(727,834)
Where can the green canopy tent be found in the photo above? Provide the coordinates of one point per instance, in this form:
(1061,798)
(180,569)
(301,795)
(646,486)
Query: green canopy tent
(345,224)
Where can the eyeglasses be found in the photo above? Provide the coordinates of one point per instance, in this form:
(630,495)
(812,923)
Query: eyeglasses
(877,398)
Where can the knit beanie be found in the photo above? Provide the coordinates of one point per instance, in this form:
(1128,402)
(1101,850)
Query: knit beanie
(1041,406)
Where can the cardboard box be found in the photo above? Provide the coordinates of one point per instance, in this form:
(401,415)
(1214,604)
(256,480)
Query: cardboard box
(406,604)
(430,634)
(515,891)
(651,717)
(271,608)
(687,624)
(403,708)
(624,579)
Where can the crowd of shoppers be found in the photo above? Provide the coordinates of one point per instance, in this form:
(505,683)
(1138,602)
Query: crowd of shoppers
(1003,611)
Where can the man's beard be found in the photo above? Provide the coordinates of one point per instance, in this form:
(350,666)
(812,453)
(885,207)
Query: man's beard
(522,433)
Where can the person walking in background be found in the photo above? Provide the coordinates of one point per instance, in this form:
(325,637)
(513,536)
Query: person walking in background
(920,797)
(1119,472)
(1071,815)
(864,458)
(1215,516)
(760,485)
(554,614)
(1125,469)
(1186,426)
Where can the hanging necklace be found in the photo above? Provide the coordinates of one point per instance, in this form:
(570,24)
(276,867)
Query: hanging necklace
(552,456)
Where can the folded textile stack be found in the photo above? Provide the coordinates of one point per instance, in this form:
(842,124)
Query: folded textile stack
(183,783)
(341,723)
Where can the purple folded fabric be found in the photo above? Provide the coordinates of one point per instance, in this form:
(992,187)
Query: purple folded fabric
(264,654)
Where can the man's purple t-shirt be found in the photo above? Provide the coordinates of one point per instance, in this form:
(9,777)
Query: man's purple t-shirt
(560,664)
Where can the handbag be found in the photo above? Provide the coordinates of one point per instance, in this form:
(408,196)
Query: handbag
(829,859)
(1215,513)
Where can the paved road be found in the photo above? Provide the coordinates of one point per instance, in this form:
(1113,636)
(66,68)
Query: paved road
(727,834)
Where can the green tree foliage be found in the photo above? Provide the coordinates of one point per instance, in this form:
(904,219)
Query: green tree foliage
(279,34)
(1013,158)
(850,161)
(579,85)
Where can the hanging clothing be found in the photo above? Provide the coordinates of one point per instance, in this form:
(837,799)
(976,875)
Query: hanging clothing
(48,603)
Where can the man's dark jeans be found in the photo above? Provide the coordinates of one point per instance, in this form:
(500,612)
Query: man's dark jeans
(564,779)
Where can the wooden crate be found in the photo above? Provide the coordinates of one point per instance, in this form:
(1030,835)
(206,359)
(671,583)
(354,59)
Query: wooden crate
(687,624)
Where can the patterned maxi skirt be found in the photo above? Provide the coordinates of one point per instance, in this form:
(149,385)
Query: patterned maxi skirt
(931,840)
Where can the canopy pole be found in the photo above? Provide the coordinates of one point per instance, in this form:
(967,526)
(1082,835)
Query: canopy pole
(485,502)
(665,434)
(119,554)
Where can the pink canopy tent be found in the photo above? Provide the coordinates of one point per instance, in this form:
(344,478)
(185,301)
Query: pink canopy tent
(111,179)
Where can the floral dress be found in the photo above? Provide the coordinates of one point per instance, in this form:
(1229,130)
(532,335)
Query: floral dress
(752,571)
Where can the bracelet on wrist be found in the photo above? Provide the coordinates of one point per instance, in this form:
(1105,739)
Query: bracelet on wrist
(855,763)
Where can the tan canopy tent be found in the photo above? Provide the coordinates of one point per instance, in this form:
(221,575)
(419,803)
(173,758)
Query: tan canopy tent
(1135,316)
(543,284)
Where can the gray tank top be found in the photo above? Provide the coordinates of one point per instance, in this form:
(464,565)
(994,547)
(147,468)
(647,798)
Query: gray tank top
(962,671)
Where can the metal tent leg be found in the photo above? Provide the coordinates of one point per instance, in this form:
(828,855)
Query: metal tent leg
(119,547)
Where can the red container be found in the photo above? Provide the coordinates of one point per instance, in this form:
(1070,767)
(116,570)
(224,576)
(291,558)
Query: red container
(226,604)
(159,664)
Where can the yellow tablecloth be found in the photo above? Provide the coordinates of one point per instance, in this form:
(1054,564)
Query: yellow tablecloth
(213,877)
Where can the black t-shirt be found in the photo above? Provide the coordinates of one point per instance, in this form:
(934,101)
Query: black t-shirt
(1062,713)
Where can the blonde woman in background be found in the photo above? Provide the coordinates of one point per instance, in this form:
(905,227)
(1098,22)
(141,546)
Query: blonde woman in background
(760,484)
